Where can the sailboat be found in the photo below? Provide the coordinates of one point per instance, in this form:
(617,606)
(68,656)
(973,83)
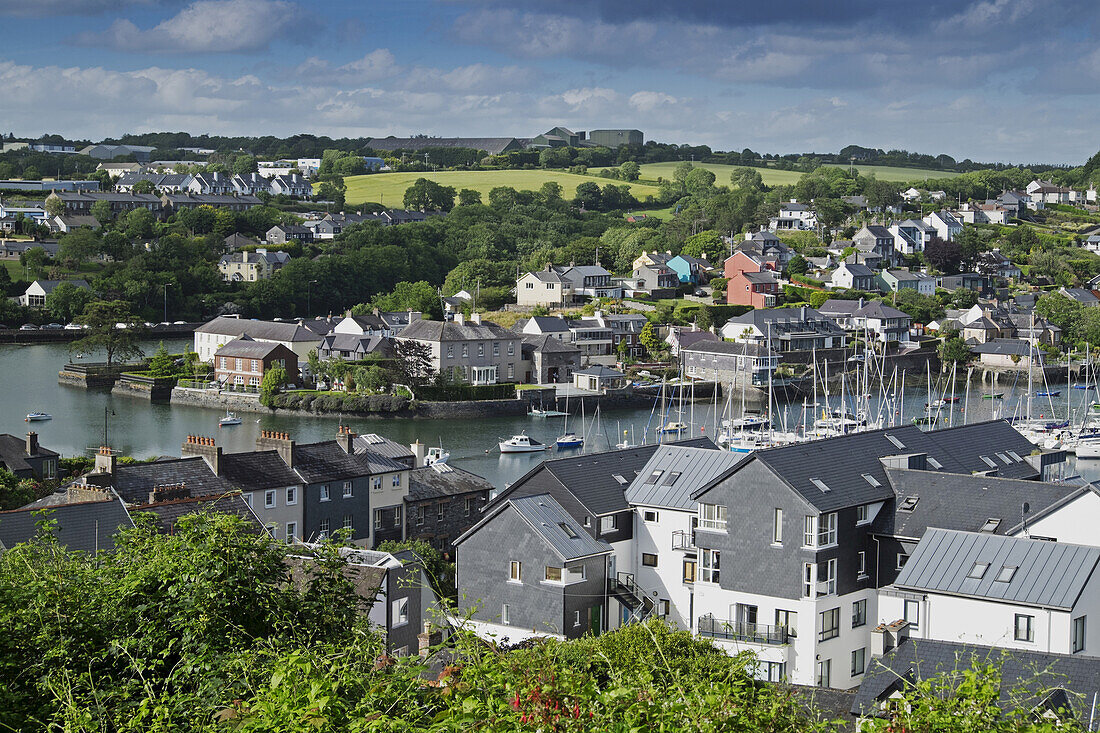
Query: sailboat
(568,439)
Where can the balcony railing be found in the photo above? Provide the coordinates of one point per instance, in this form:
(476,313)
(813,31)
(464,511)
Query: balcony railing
(742,631)
(682,540)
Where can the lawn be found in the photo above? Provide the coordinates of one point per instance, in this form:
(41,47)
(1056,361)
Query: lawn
(652,171)
(388,189)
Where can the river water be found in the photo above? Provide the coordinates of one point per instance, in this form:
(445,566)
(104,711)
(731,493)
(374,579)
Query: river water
(140,429)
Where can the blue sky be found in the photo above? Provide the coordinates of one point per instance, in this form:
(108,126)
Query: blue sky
(991,80)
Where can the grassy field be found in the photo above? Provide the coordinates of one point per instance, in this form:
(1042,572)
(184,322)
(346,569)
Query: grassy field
(388,189)
(653,171)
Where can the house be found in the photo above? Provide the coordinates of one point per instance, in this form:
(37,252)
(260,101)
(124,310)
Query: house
(729,363)
(558,137)
(1048,192)
(745,260)
(1082,296)
(911,236)
(547,287)
(859,203)
(598,378)
(211,184)
(249,184)
(120,203)
(555,326)
(162,182)
(458,301)
(11,249)
(768,246)
(937,196)
(794,216)
(117,170)
(244,362)
(591,281)
(236,241)
(64,224)
(292,185)
(995,264)
(36,293)
(944,224)
(443,502)
(215,334)
(26,459)
(1018,202)
(655,281)
(283,233)
(245,266)
(852,276)
(548,359)
(368,324)
(892,281)
(965,281)
(180,201)
(110,152)
(858,317)
(682,337)
(877,239)
(785,329)
(757,289)
(1006,352)
(982,330)
(1056,688)
(911,195)
(1092,243)
(651,258)
(351,347)
(474,351)
(985,588)
(688,269)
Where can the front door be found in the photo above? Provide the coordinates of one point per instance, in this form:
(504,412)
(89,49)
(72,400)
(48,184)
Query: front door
(594,617)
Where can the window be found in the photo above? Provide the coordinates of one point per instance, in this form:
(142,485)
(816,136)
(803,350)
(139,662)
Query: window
(978,571)
(826,531)
(322,528)
(809,532)
(773,671)
(671,478)
(291,495)
(451,347)
(861,570)
(269,499)
(1006,574)
(588,521)
(324,492)
(553,574)
(1024,629)
(710,566)
(902,559)
(859,661)
(663,607)
(569,531)
(1078,633)
(397,516)
(649,560)
(395,480)
(991,525)
(649,515)
(808,571)
(378,518)
(481,349)
(859,613)
(347,521)
(496,348)
(347,489)
(912,613)
(467,506)
(654,477)
(608,524)
(712,516)
(291,532)
(248,499)
(788,620)
(376,483)
(908,504)
(830,577)
(777,527)
(511,348)
(576,619)
(255,366)
(689,571)
(515,571)
(505,617)
(824,669)
(861,514)
(420,515)
(440,508)
(830,624)
(400,611)
(465,350)
(273,530)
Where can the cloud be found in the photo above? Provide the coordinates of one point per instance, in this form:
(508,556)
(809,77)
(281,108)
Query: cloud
(52,8)
(649,101)
(207,26)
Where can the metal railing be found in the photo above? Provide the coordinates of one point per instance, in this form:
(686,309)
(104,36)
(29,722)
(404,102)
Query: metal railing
(247,388)
(682,540)
(624,583)
(742,631)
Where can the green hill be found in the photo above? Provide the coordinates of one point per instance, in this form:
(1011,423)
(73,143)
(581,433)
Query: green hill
(772,177)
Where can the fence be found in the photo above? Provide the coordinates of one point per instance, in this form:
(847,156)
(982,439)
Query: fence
(742,631)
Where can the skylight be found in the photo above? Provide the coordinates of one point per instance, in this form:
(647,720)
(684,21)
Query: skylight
(991,524)
(820,484)
(670,479)
(374,439)
(569,531)
(1014,456)
(909,503)
(988,461)
(654,477)
(441,468)
(1006,574)
(895,441)
(1004,458)
(619,477)
(872,480)
(933,463)
(978,571)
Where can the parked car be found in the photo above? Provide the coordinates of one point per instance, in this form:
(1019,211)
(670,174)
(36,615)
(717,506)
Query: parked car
(73,327)
(28,327)
(53,327)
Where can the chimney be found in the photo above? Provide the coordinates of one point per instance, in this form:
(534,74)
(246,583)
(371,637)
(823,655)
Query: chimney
(879,641)
(802,313)
(279,441)
(460,319)
(32,443)
(475,318)
(861,303)
(200,445)
(346,439)
(900,632)
(169,492)
(420,453)
(105,460)
(427,639)
(244,255)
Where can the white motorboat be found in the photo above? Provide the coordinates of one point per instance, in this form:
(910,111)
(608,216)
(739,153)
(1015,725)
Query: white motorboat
(538,412)
(38,416)
(436,455)
(521,443)
(229,419)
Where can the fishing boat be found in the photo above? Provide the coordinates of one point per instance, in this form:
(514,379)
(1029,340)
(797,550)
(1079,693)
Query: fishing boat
(229,419)
(38,416)
(1049,393)
(436,455)
(1080,386)
(521,443)
(1001,396)
(569,440)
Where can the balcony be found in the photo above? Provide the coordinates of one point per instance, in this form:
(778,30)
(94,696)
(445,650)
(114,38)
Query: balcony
(682,540)
(713,628)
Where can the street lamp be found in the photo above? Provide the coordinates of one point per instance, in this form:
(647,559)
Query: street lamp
(166,302)
(309,297)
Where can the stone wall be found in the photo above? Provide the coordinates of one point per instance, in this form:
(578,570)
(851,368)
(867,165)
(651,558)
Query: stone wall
(154,389)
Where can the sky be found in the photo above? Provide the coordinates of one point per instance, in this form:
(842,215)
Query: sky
(1015,81)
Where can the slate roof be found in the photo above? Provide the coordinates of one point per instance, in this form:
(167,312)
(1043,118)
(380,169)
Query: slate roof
(1038,673)
(48,286)
(13,453)
(355,343)
(246,348)
(966,502)
(683,470)
(878,309)
(967,446)
(88,526)
(134,482)
(431,483)
(708,346)
(1004,347)
(266,330)
(550,324)
(546,516)
(759,277)
(327,461)
(383,446)
(257,471)
(167,513)
(547,343)
(858,270)
(598,370)
(1048,574)
(450,331)
(688,337)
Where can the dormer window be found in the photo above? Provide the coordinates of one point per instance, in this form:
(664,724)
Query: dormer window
(908,504)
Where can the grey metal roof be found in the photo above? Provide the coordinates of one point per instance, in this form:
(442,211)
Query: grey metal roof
(1048,574)
(599,370)
(966,501)
(1041,675)
(682,471)
(1005,347)
(547,517)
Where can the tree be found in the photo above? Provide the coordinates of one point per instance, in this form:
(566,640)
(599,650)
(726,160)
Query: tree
(706,245)
(954,350)
(630,171)
(101,210)
(797,265)
(880,194)
(54,206)
(273,382)
(426,194)
(418,296)
(144,186)
(67,301)
(699,182)
(747,178)
(649,339)
(34,259)
(964,298)
(550,191)
(1063,312)
(469,197)
(138,224)
(943,255)
(78,246)
(244,164)
(111,328)
(589,196)
(162,364)
(411,363)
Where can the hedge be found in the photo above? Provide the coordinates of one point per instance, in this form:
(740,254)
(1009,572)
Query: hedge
(465,392)
(314,402)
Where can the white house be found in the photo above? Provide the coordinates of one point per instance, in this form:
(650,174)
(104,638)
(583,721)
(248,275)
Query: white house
(911,195)
(794,216)
(36,293)
(211,336)
(944,223)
